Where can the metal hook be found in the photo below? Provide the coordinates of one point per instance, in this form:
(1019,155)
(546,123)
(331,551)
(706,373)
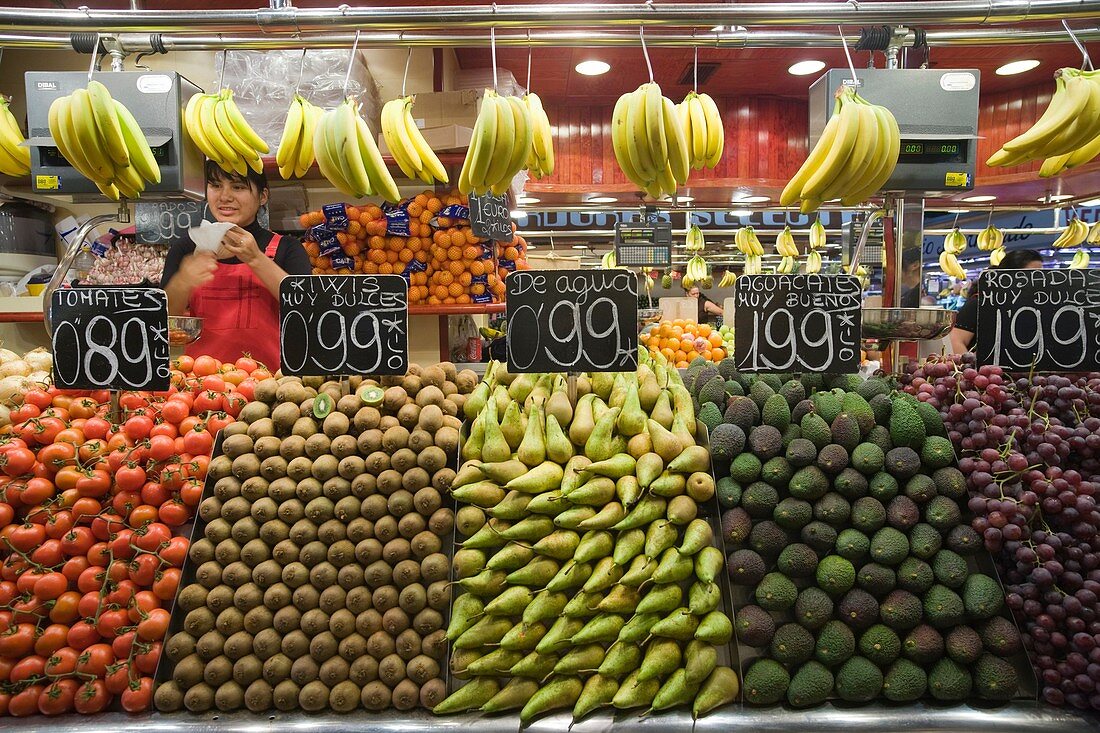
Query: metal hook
(851,66)
(301,71)
(408,58)
(95,56)
(528,59)
(493,48)
(645,51)
(221,72)
(351,60)
(1086,61)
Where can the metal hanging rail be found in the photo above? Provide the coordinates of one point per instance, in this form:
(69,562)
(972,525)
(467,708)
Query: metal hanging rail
(692,15)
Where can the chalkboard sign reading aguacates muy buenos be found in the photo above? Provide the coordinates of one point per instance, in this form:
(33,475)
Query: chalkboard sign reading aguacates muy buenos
(110,338)
(797,323)
(344,324)
(1047,320)
(490,217)
(572,320)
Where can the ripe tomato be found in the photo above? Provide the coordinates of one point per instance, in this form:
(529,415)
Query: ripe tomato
(82,635)
(110,622)
(164,429)
(26,537)
(37,491)
(166,585)
(155,625)
(145,601)
(30,666)
(24,584)
(62,662)
(92,697)
(31,610)
(205,366)
(174,513)
(147,663)
(246,364)
(130,477)
(59,524)
(184,363)
(154,493)
(142,515)
(7,592)
(25,702)
(175,552)
(40,398)
(121,548)
(217,422)
(91,580)
(93,450)
(71,435)
(79,540)
(17,640)
(137,427)
(51,586)
(131,401)
(95,483)
(124,592)
(123,643)
(107,526)
(66,477)
(99,555)
(83,407)
(96,428)
(64,609)
(95,660)
(53,638)
(48,429)
(247,389)
(152,537)
(197,442)
(57,455)
(89,605)
(125,502)
(74,566)
(118,678)
(137,699)
(7,514)
(175,411)
(143,569)
(58,698)
(162,447)
(16,461)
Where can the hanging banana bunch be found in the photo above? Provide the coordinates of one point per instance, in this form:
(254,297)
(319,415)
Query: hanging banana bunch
(103,142)
(1075,233)
(997,256)
(753,265)
(949,263)
(696,273)
(817,235)
(348,155)
(501,143)
(649,140)
(294,156)
(1094,234)
(813,262)
(864,276)
(955,242)
(220,131)
(410,150)
(787,265)
(747,242)
(702,125)
(784,243)
(15,157)
(695,241)
(989,239)
(728,279)
(647,280)
(540,161)
(1053,166)
(1080,260)
(608,261)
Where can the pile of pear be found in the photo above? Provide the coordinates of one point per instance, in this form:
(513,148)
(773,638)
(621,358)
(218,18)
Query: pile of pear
(586,576)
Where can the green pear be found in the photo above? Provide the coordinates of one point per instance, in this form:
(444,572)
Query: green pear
(466,610)
(680,624)
(632,419)
(584,385)
(510,603)
(598,692)
(615,467)
(571,575)
(694,458)
(534,665)
(682,509)
(558,693)
(628,546)
(521,387)
(515,694)
(681,430)
(582,605)
(540,393)
(500,401)
(535,574)
(532,450)
(483,494)
(620,599)
(559,448)
(603,628)
(486,584)
(461,659)
(703,597)
(673,567)
(550,503)
(634,693)
(584,421)
(659,536)
(475,403)
(645,511)
(640,570)
(661,599)
(593,546)
(665,443)
(545,605)
(560,544)
(573,475)
(546,476)
(470,696)
(649,392)
(662,411)
(621,658)
(662,657)
(495,663)
(604,575)
(512,425)
(512,507)
(585,658)
(700,659)
(618,390)
(574,517)
(639,445)
(721,688)
(530,529)
(669,485)
(523,637)
(469,473)
(603,442)
(558,637)
(468,562)
(675,691)
(602,384)
(715,628)
(487,537)
(697,535)
(504,471)
(512,556)
(489,630)
(612,513)
(637,628)
(597,491)
(708,563)
(684,407)
(648,468)
(559,408)
(471,447)
(495,448)
(628,490)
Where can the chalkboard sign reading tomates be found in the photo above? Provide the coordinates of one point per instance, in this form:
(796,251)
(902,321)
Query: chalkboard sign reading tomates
(572,320)
(1047,320)
(490,217)
(110,338)
(344,324)
(797,323)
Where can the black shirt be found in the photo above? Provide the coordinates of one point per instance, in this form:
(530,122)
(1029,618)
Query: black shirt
(967,317)
(703,316)
(290,255)
(911,298)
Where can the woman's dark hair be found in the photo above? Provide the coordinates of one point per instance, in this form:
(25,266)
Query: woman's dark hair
(1018,259)
(215,173)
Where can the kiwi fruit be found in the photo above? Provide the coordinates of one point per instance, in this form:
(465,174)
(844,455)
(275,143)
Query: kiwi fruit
(273,468)
(442,521)
(285,553)
(244,530)
(237,445)
(414,479)
(406,574)
(274,531)
(258,619)
(407,645)
(304,670)
(292,446)
(442,480)
(303,532)
(368,622)
(286,619)
(364,485)
(299,468)
(447,438)
(247,597)
(226,488)
(341,553)
(210,645)
(317,445)
(229,621)
(282,489)
(344,446)
(352,646)
(188,671)
(350,577)
(347,511)
(305,427)
(322,576)
(323,646)
(395,621)
(219,598)
(255,552)
(201,551)
(238,645)
(319,510)
(369,441)
(180,646)
(432,693)
(209,574)
(285,696)
(245,466)
(342,623)
(305,598)
(435,567)
(434,645)
(259,697)
(377,462)
(199,698)
(363,670)
(438,595)
(236,574)
(277,668)
(267,446)
(308,489)
(367,552)
(220,467)
(408,415)
(413,598)
(210,508)
(419,439)
(264,509)
(358,599)
(266,644)
(406,695)
(389,481)
(168,698)
(314,621)
(247,670)
(402,459)
(424,544)
(375,696)
(336,487)
(343,697)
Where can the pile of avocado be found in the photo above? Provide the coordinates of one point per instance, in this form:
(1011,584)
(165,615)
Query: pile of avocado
(841,502)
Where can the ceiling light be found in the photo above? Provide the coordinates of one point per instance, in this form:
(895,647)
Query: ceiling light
(517,214)
(802,68)
(531,247)
(602,200)
(527,200)
(741,212)
(1017,67)
(751,199)
(580,246)
(593,67)
(1055,197)
(958,211)
(978,199)
(685,199)
(1091,202)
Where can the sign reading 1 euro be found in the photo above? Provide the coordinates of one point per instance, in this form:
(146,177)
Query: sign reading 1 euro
(1046,320)
(572,321)
(797,323)
(343,324)
(110,338)
(490,217)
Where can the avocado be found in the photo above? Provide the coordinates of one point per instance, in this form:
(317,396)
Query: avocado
(713,391)
(776,592)
(793,392)
(812,380)
(937,453)
(889,546)
(835,575)
(801,452)
(906,426)
(873,386)
(768,538)
(901,610)
(833,509)
(811,685)
(842,383)
(797,561)
(950,482)
(813,608)
(850,484)
(878,580)
(882,406)
(710,416)
(858,680)
(759,500)
(855,405)
(745,468)
(792,645)
(726,442)
(943,607)
(883,487)
(880,644)
(736,526)
(921,488)
(963,645)
(845,431)
(982,596)
(853,545)
(742,412)
(809,483)
(868,514)
(902,463)
(729,492)
(801,410)
(765,442)
(760,391)
(728,369)
(746,567)
(999,636)
(963,540)
(766,682)
(793,513)
(792,433)
(754,626)
(942,513)
(819,536)
(734,388)
(777,472)
(858,609)
(904,682)
(949,681)
(923,645)
(950,568)
(924,541)
(902,513)
(827,405)
(933,420)
(816,430)
(832,459)
(995,678)
(835,644)
(776,412)
(868,459)
(915,575)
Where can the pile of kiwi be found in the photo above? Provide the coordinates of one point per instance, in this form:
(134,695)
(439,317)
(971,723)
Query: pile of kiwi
(321,577)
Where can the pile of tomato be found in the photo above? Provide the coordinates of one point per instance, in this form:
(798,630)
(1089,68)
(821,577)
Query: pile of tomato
(91,509)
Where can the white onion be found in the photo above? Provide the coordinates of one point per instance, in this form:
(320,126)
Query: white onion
(39,378)
(40,359)
(5,416)
(18,368)
(7,355)
(10,388)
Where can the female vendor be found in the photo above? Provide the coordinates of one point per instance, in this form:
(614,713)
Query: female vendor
(237,296)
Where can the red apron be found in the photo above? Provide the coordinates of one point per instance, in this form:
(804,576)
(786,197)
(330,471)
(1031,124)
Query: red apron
(239,315)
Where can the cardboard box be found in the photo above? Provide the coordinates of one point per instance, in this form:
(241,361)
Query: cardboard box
(439,109)
(439,139)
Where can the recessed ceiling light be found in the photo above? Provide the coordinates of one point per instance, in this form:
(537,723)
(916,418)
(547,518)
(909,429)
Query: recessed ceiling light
(517,214)
(580,246)
(1017,67)
(602,200)
(741,212)
(802,68)
(1091,202)
(685,199)
(751,199)
(978,199)
(958,211)
(1055,197)
(531,247)
(593,67)
(527,200)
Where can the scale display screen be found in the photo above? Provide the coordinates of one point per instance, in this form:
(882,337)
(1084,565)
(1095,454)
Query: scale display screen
(933,151)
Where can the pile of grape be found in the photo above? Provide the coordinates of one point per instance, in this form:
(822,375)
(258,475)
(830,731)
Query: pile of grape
(1030,449)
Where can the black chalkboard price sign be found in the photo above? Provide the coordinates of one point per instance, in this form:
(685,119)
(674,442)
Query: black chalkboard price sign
(490,217)
(1047,320)
(797,323)
(161,222)
(344,324)
(572,320)
(110,338)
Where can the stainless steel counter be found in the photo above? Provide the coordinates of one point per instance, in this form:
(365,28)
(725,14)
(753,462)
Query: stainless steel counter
(1015,718)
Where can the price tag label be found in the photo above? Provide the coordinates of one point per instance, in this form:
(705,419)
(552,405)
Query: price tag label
(162,222)
(344,324)
(797,323)
(1047,320)
(110,338)
(572,320)
(490,217)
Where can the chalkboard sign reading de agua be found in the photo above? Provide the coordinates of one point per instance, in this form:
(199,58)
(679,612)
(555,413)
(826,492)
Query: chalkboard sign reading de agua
(110,338)
(1047,320)
(490,217)
(797,323)
(344,324)
(572,320)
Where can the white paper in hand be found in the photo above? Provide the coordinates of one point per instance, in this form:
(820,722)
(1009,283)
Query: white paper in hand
(208,237)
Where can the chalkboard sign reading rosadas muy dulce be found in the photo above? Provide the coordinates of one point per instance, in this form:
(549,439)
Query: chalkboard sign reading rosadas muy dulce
(344,324)
(1046,320)
(797,323)
(110,338)
(572,320)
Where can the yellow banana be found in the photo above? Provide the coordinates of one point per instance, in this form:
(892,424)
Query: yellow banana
(864,150)
(1080,260)
(955,242)
(229,156)
(521,150)
(608,260)
(784,243)
(329,168)
(503,144)
(837,157)
(397,138)
(380,178)
(1071,120)
(950,265)
(243,129)
(1074,234)
(428,158)
(193,124)
(699,131)
(716,134)
(65,138)
(638,140)
(306,156)
(990,238)
(677,141)
(83,124)
(996,256)
(1094,234)
(291,139)
(817,235)
(347,146)
(655,124)
(106,122)
(619,134)
(813,262)
(229,133)
(882,167)
(141,155)
(786,266)
(793,190)
(481,142)
(11,140)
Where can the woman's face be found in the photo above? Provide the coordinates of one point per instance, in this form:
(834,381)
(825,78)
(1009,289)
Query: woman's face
(234,201)
(693,292)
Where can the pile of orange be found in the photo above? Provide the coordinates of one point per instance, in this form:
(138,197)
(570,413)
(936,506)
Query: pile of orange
(459,268)
(512,252)
(681,341)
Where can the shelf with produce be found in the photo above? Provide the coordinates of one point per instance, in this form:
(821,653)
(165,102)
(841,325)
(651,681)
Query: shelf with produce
(473,309)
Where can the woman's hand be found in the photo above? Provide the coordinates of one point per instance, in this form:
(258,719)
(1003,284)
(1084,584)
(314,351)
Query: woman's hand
(241,244)
(197,269)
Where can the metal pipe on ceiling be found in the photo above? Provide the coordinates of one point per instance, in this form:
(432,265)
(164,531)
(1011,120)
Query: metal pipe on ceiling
(289,19)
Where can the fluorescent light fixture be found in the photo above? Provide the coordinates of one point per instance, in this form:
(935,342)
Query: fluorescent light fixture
(978,199)
(531,247)
(517,214)
(1091,202)
(741,212)
(958,211)
(751,199)
(1017,67)
(1056,197)
(593,67)
(580,246)
(601,200)
(685,199)
(730,246)
(527,200)
(802,68)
